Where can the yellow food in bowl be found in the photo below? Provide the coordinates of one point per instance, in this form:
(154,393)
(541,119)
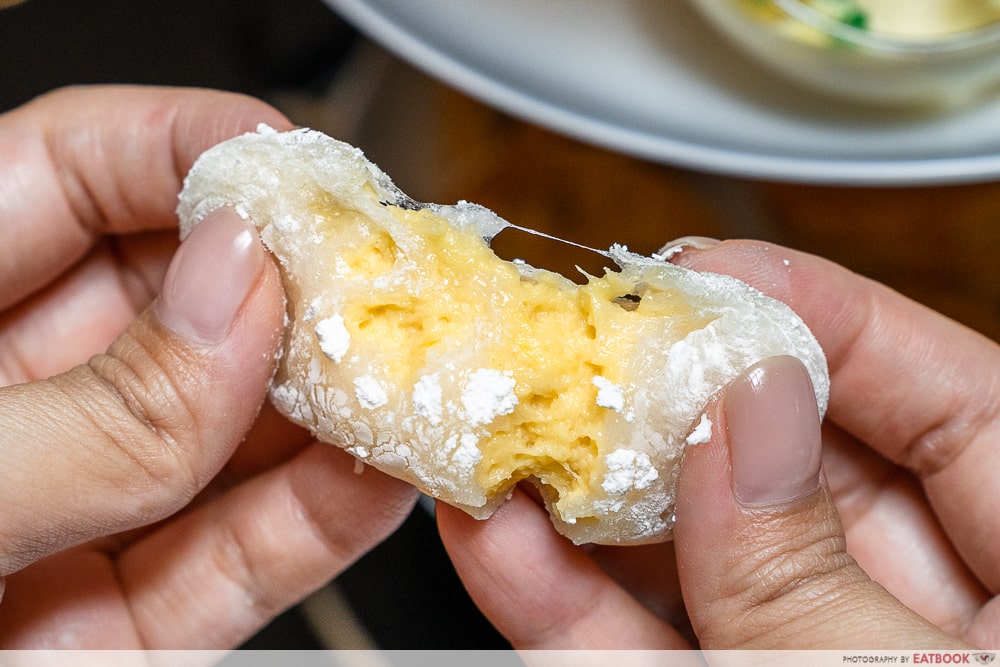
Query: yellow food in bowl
(927,55)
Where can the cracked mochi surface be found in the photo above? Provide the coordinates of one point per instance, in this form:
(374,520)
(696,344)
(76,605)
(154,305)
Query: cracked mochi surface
(414,347)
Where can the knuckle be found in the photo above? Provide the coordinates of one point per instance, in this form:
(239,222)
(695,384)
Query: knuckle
(812,559)
(236,561)
(143,414)
(344,537)
(799,569)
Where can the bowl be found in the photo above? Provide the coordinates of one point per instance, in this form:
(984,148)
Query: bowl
(933,54)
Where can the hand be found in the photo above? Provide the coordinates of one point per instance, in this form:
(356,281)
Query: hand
(890,539)
(149,500)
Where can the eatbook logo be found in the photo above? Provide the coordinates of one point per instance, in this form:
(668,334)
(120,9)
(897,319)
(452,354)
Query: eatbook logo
(980,658)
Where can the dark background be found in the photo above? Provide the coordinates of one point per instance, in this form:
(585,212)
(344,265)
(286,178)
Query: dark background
(255,47)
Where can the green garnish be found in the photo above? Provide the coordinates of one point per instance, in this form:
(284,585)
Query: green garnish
(846,11)
(856,19)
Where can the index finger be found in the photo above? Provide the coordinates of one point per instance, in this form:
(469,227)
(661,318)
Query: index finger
(919,388)
(83,162)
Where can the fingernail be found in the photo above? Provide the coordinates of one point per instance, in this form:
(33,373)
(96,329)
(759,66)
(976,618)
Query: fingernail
(677,246)
(774,433)
(210,278)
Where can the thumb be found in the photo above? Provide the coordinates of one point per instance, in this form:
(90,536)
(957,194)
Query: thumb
(131,436)
(761,550)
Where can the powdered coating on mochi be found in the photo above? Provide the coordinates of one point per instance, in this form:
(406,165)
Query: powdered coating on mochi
(370,392)
(488,394)
(627,471)
(609,395)
(702,433)
(334,339)
(427,399)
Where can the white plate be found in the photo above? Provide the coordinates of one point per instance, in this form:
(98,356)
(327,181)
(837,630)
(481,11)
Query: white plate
(650,78)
